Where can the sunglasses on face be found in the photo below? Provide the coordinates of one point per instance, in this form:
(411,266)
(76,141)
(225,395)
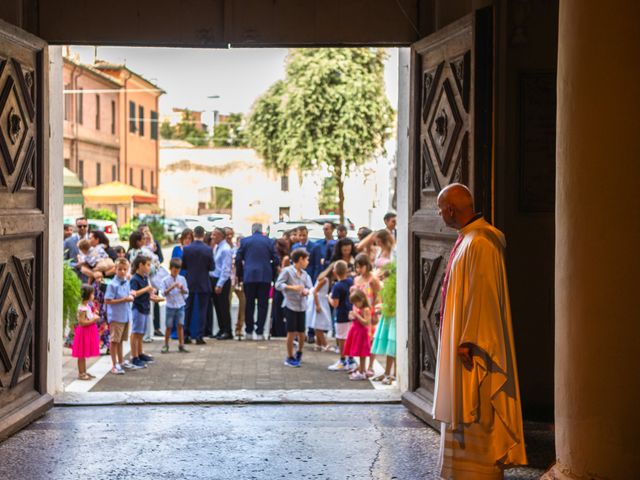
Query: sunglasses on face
(82,226)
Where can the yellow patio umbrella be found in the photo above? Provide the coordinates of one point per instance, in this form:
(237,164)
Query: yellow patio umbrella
(117,193)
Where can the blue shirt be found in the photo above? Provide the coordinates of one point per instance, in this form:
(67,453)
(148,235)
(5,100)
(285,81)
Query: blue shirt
(321,254)
(119,312)
(309,248)
(341,291)
(142,302)
(222,256)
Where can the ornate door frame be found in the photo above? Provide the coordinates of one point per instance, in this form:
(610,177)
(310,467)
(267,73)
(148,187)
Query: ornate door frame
(450,140)
(24,233)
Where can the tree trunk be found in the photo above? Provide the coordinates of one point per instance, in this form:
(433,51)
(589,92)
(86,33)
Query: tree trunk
(340,180)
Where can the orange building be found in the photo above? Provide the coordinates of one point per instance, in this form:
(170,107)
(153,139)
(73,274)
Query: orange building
(138,129)
(91,123)
(111,128)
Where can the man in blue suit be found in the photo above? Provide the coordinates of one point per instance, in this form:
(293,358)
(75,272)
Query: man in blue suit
(304,242)
(255,263)
(322,251)
(197,260)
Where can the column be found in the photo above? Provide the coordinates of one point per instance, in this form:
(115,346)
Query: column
(597,364)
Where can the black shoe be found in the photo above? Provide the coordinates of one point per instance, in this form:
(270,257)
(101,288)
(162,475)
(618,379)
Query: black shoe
(187,341)
(212,336)
(225,336)
(158,333)
(200,341)
(311,339)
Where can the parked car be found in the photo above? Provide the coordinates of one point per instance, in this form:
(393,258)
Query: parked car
(212,217)
(173,227)
(109,228)
(277,229)
(335,219)
(192,221)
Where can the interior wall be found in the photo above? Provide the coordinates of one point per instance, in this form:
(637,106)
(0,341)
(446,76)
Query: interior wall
(524,196)
(402,162)
(56,199)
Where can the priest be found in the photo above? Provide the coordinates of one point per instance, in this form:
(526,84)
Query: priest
(477,398)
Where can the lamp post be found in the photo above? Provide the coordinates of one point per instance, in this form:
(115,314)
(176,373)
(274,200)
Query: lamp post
(215,116)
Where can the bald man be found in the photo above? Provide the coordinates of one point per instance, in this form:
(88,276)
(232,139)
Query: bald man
(477,398)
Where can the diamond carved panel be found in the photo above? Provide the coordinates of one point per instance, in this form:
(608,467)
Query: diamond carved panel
(445,126)
(430,264)
(17,116)
(15,331)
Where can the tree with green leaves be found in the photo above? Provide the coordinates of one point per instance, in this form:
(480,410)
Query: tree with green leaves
(328,201)
(230,132)
(167,131)
(186,129)
(330,111)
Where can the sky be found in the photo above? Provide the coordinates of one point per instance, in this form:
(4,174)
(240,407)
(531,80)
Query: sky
(189,76)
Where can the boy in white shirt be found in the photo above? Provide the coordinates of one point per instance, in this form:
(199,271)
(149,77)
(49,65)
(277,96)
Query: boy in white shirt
(176,292)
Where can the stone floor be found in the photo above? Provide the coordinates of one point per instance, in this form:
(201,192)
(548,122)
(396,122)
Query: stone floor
(231,442)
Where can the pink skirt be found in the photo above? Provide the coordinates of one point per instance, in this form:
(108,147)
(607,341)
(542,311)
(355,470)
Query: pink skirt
(86,342)
(358,342)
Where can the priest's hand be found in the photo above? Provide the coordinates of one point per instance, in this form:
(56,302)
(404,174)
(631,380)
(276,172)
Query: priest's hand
(465,356)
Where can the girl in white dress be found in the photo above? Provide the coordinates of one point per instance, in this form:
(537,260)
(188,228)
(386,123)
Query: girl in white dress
(319,311)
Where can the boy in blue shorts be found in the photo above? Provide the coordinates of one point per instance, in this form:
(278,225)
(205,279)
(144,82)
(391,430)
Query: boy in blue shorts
(118,299)
(176,292)
(143,294)
(339,299)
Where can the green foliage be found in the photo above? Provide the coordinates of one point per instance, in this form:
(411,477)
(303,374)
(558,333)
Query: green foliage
(186,130)
(331,110)
(157,230)
(230,132)
(389,291)
(266,127)
(156,227)
(167,131)
(100,214)
(328,202)
(70,295)
(125,230)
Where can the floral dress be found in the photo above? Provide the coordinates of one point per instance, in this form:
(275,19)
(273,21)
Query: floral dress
(99,309)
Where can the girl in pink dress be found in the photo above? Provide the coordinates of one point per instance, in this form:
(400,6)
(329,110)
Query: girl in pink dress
(86,342)
(370,285)
(358,343)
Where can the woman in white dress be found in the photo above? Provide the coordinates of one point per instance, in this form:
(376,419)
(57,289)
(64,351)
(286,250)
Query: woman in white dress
(319,311)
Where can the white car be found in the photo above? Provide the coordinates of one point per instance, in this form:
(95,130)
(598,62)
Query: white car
(109,228)
(193,221)
(315,229)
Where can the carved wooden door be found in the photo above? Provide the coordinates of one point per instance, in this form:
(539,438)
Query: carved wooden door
(23,228)
(450,141)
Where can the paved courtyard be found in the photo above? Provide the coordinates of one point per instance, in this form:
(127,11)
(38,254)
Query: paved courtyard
(223,442)
(223,365)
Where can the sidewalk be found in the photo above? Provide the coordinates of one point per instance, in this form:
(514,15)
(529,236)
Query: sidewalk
(225,365)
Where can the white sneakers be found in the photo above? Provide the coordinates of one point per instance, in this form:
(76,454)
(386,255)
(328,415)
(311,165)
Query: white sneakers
(339,366)
(117,369)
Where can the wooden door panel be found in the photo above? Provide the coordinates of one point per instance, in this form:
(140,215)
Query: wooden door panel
(444,144)
(23,228)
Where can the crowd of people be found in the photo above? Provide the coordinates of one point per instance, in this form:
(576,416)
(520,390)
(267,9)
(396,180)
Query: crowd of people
(325,293)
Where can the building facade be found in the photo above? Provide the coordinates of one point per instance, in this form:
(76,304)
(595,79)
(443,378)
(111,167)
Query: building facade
(191,176)
(111,127)
(139,128)
(91,123)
